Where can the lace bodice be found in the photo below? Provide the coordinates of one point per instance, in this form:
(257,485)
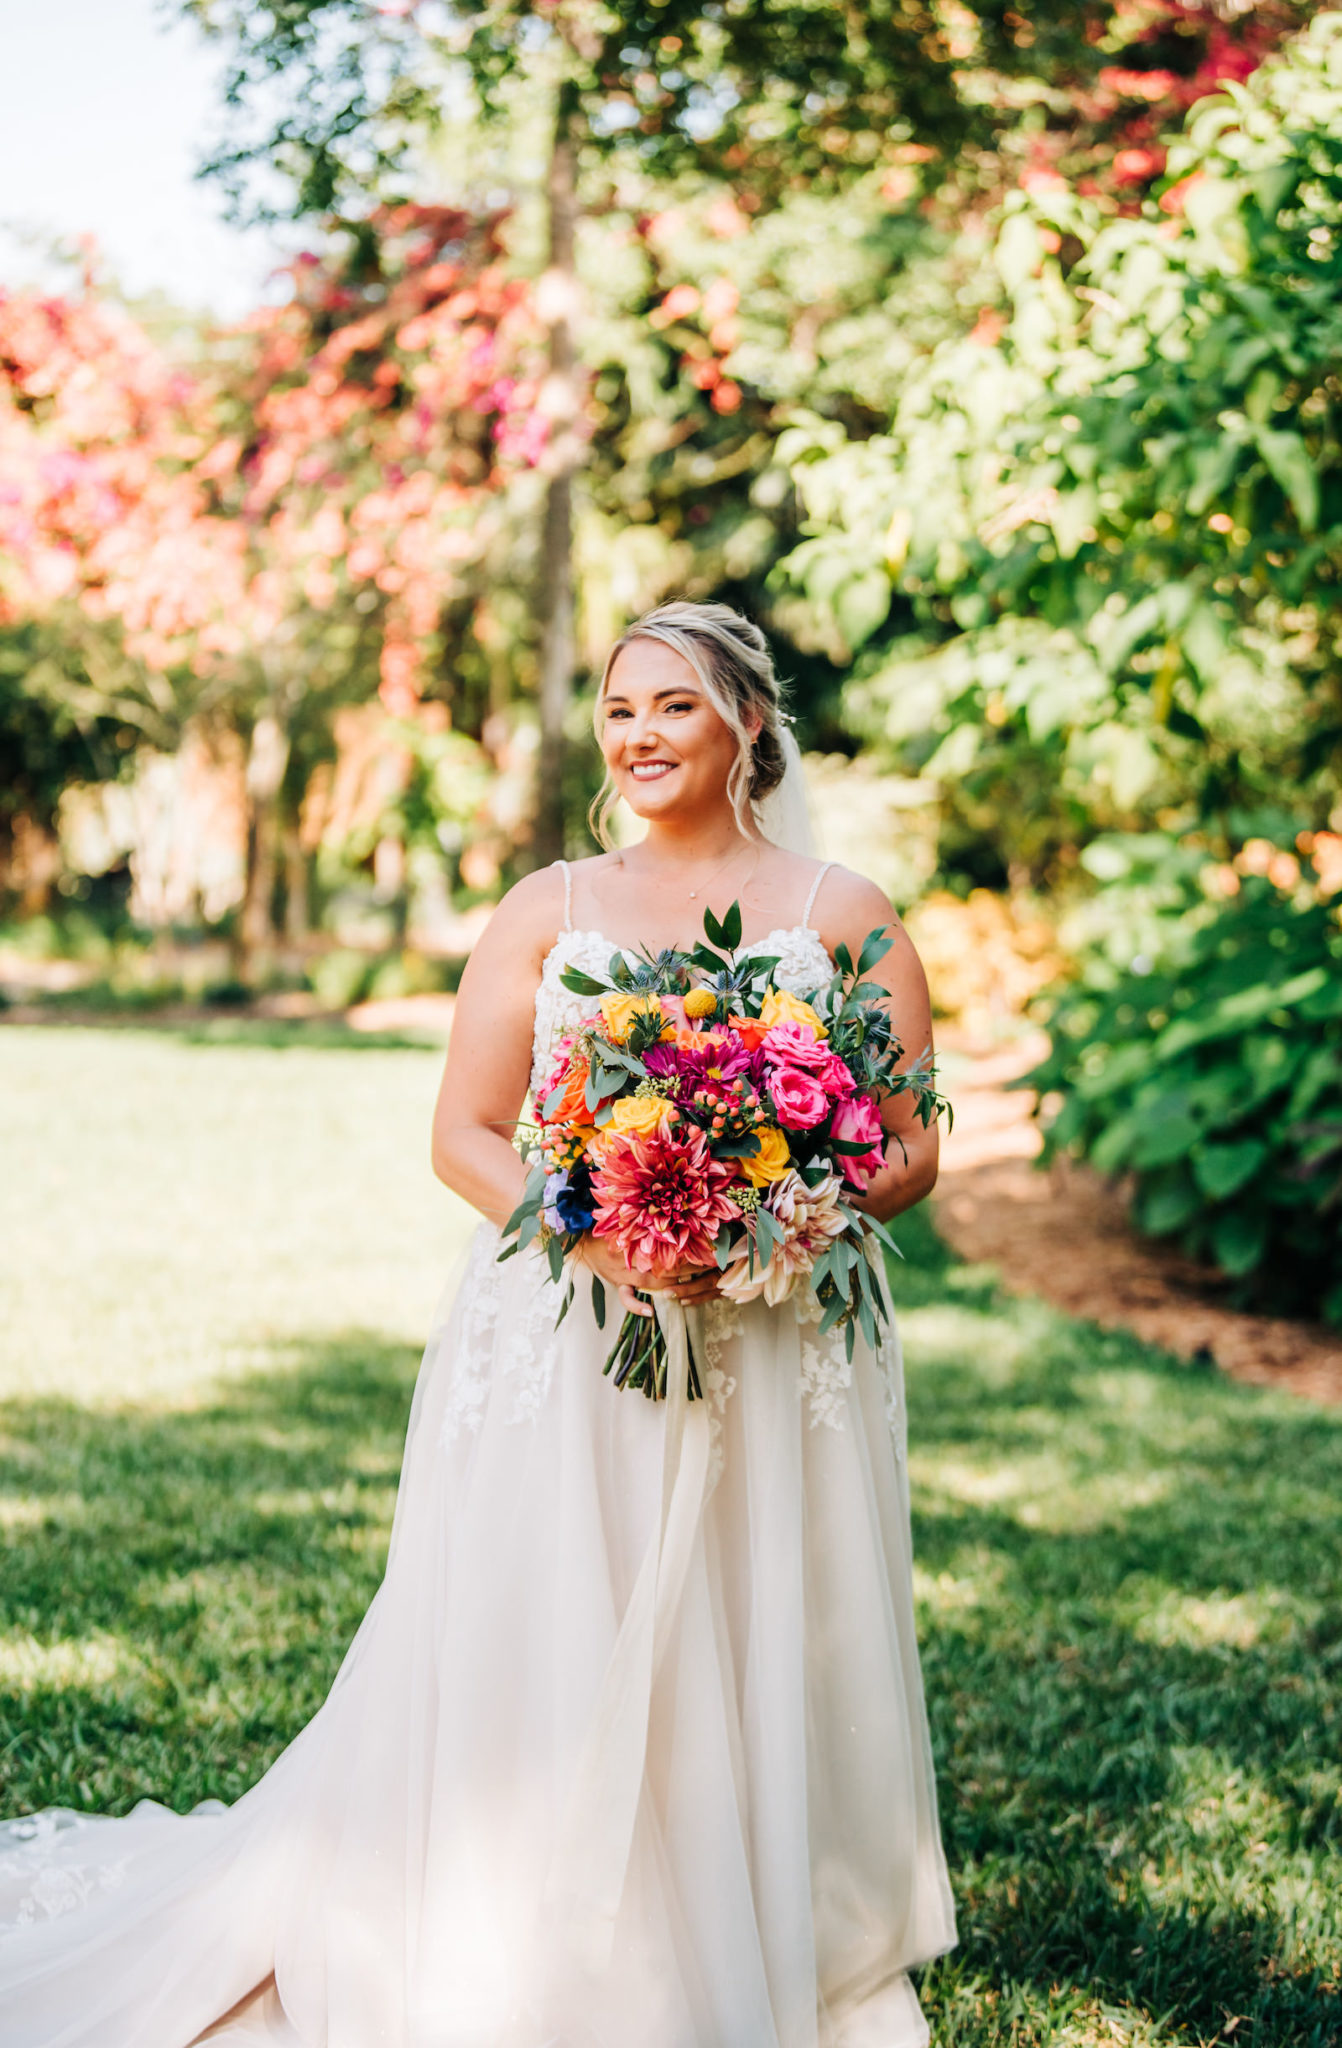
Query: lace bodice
(803,964)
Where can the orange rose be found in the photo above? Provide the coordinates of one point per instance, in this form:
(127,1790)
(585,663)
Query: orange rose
(572,1105)
(750,1030)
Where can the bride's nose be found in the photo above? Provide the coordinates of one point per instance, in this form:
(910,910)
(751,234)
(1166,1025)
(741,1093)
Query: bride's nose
(641,734)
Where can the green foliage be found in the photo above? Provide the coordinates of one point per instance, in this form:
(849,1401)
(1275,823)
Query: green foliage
(1104,550)
(774,93)
(73,706)
(1211,1072)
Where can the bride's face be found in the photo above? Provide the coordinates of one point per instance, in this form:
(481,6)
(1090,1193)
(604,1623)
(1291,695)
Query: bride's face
(667,749)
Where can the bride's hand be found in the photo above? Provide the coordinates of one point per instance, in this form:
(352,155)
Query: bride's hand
(693,1284)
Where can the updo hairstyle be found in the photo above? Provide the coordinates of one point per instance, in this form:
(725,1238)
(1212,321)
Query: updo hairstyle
(731,658)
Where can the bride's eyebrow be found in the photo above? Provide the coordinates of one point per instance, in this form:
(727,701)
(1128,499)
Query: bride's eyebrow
(678,690)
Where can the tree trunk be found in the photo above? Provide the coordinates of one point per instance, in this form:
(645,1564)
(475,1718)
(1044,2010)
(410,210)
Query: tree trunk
(557,299)
(297,912)
(267,759)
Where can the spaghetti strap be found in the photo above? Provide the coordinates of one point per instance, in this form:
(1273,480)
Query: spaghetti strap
(567,873)
(820,875)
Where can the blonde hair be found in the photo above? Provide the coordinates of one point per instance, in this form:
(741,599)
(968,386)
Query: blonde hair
(731,658)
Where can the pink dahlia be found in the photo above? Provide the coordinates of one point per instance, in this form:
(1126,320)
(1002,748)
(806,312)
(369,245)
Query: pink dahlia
(662,1199)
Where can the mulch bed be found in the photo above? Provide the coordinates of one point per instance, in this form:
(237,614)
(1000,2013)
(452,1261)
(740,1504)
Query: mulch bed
(1062,1233)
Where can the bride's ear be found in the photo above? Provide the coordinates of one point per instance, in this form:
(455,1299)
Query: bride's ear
(754,725)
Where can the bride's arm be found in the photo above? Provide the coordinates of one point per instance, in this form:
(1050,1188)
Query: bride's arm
(851,907)
(488,1067)
(488,1072)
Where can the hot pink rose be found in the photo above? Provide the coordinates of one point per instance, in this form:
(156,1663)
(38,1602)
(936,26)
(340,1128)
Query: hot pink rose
(835,1078)
(798,1098)
(795,1045)
(858,1122)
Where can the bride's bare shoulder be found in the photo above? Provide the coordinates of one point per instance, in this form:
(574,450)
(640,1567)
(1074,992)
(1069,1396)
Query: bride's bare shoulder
(528,918)
(844,898)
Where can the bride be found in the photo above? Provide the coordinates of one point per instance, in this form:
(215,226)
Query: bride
(629,1750)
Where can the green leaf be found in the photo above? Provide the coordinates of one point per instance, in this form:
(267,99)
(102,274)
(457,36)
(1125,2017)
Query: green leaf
(1167,1204)
(1292,466)
(1165,1139)
(834,1310)
(583,984)
(1110,1150)
(599,1301)
(874,947)
(727,934)
(1222,1170)
(863,605)
(766,1235)
(722,1246)
(1239,1239)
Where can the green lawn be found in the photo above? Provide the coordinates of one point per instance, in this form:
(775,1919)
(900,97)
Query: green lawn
(216,1257)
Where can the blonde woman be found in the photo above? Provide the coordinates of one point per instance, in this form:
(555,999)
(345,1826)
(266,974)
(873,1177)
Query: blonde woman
(630,1749)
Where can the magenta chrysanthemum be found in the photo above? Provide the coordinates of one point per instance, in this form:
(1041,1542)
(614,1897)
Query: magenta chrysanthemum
(661,1199)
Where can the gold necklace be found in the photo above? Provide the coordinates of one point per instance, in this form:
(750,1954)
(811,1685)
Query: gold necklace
(724,862)
(718,870)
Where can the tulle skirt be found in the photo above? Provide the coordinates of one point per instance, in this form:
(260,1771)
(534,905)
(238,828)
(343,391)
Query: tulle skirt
(629,1750)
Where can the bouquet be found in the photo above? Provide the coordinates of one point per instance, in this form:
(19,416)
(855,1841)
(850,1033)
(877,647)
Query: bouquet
(705,1118)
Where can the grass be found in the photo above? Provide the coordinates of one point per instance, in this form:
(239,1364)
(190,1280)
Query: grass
(218,1256)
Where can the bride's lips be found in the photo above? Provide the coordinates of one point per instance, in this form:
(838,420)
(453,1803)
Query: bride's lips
(650,771)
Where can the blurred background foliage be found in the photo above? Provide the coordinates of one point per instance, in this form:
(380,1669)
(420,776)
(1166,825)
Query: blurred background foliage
(989,357)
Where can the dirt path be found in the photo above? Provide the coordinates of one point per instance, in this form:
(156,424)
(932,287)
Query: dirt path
(1063,1234)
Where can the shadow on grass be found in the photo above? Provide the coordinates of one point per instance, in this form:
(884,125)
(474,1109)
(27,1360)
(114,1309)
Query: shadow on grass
(1132,1633)
(1132,1640)
(177,1589)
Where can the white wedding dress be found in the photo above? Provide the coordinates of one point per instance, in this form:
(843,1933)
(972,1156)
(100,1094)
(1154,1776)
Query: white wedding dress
(629,1750)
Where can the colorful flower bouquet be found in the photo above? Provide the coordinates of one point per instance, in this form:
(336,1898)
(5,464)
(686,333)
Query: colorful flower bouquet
(706,1118)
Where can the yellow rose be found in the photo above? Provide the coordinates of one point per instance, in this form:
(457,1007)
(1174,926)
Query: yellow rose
(638,1116)
(771,1162)
(620,1007)
(780,1006)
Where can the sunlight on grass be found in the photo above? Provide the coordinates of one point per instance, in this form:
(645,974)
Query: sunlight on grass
(184,1208)
(1128,1580)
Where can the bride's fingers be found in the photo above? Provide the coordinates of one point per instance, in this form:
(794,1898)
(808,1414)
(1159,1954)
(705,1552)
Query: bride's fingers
(699,1287)
(634,1302)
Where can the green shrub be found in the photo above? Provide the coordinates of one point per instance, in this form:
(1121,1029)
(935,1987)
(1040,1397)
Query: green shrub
(341,977)
(1214,1079)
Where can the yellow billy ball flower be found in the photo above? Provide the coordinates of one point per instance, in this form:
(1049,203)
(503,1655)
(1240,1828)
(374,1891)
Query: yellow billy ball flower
(700,1002)
(620,1007)
(771,1162)
(780,1006)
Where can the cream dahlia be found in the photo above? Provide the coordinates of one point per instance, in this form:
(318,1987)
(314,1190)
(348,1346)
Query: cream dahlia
(809,1218)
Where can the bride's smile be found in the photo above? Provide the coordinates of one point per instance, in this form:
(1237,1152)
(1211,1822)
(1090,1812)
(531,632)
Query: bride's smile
(668,750)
